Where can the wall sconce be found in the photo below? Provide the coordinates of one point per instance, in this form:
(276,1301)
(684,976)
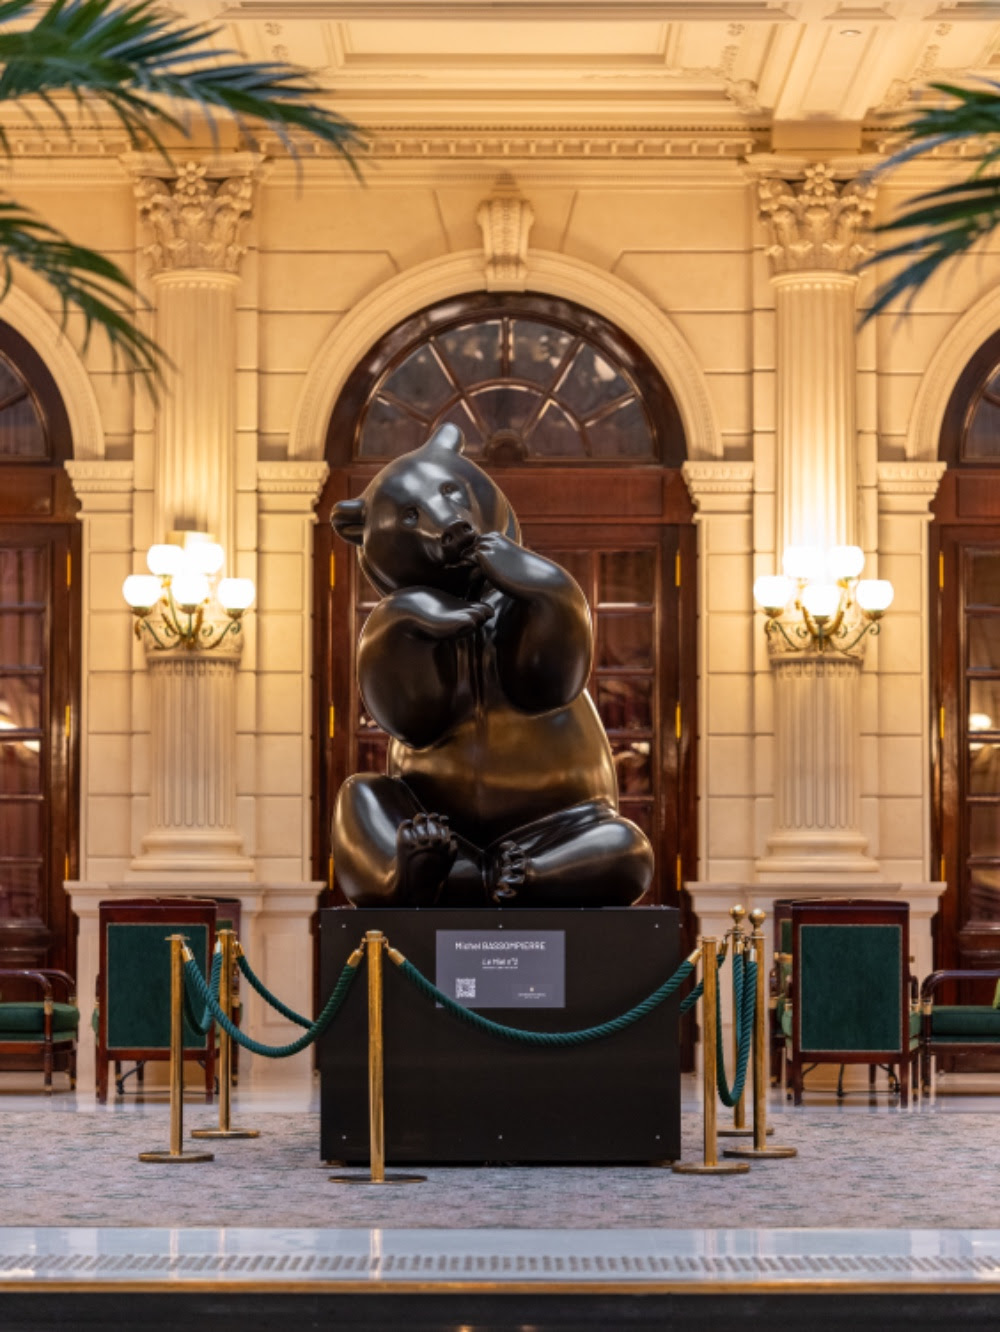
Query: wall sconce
(820,603)
(182,583)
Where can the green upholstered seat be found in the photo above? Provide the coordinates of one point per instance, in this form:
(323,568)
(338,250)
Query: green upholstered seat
(965,1022)
(29,1019)
(786,1025)
(25,1044)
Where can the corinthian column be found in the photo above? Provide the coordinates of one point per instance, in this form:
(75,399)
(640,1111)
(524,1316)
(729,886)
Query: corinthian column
(195,221)
(815,234)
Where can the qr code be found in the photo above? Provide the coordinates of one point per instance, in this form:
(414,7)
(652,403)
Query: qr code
(465,988)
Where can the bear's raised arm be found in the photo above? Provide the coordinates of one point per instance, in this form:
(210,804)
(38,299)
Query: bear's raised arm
(411,663)
(543,635)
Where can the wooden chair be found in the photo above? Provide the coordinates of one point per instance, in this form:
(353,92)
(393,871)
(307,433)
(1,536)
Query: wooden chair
(851,990)
(956,1029)
(133,984)
(39,1032)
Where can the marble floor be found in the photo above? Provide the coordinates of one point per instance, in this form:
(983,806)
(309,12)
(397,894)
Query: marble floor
(400,1238)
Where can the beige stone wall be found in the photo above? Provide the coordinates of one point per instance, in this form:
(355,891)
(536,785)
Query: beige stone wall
(680,239)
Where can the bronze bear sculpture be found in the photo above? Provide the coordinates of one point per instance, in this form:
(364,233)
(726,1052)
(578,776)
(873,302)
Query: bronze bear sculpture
(501,787)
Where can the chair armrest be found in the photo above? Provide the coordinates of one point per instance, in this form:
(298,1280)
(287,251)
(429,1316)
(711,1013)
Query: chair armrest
(39,976)
(65,978)
(937,978)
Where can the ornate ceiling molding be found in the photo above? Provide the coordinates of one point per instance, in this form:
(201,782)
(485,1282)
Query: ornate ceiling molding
(820,225)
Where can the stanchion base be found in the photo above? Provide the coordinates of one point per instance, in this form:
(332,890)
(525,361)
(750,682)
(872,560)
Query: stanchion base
(225,1133)
(702,1168)
(759,1153)
(741,1132)
(367,1179)
(176,1158)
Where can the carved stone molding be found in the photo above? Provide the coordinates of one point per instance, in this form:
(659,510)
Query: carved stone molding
(908,487)
(96,477)
(719,486)
(291,478)
(505,220)
(196,221)
(818,225)
(290,487)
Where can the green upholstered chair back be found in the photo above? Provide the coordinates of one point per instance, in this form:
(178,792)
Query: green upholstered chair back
(134,998)
(851,977)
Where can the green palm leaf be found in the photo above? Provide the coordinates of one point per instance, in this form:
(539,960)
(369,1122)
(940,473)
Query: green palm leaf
(83,279)
(950,220)
(154,74)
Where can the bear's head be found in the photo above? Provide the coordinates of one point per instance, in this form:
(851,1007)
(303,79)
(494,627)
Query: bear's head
(418,518)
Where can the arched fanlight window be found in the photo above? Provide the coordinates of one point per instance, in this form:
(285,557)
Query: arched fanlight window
(23,435)
(527,379)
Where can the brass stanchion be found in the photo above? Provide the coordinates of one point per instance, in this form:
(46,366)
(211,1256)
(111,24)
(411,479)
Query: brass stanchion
(711,1165)
(740,945)
(176,1152)
(227,940)
(760,1148)
(375,942)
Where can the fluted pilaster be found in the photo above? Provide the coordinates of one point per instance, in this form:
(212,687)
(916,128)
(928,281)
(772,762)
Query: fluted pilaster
(816,233)
(816,792)
(195,221)
(192,806)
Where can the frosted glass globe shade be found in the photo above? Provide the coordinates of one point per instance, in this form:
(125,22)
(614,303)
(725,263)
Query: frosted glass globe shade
(874,595)
(773,592)
(821,600)
(165,560)
(141,591)
(190,590)
(844,562)
(205,557)
(804,563)
(235,594)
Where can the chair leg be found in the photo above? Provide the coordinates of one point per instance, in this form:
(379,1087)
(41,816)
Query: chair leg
(797,1082)
(102,1078)
(872,1070)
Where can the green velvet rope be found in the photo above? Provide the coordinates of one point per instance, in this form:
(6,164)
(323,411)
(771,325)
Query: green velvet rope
(745,987)
(202,1025)
(546,1038)
(196,981)
(266,994)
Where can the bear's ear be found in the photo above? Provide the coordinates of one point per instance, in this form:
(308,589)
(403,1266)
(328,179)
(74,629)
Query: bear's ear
(447,437)
(348,520)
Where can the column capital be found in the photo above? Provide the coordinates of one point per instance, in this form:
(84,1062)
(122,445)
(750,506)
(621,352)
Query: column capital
(196,215)
(818,224)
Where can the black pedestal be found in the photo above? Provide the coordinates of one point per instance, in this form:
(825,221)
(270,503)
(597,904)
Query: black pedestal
(454,1094)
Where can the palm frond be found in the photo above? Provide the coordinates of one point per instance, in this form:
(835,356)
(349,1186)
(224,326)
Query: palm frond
(952,219)
(84,280)
(144,66)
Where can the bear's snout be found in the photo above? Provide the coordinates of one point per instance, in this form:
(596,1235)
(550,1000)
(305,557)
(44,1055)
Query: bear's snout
(456,539)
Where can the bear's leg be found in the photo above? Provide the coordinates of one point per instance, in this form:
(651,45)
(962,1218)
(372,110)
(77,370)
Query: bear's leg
(389,851)
(584,856)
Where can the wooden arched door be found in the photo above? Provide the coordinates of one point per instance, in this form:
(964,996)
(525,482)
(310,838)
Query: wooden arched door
(585,440)
(39,663)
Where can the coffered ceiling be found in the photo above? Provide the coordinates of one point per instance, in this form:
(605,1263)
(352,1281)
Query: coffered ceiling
(818,65)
